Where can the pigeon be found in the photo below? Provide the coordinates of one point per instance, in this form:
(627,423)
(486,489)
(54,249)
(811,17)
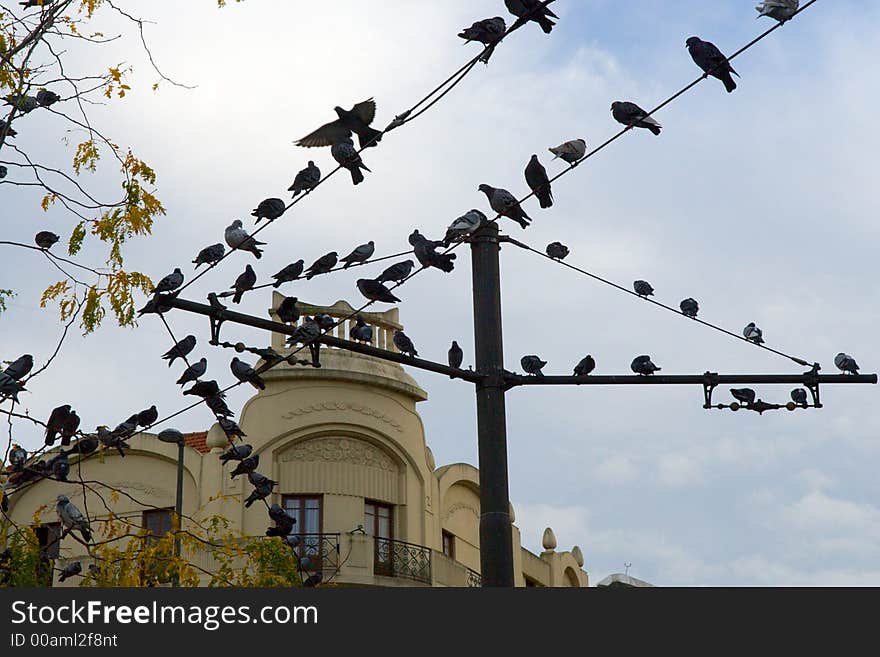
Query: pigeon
(55,422)
(147,416)
(72,518)
(505,204)
(288,311)
(313,580)
(465,225)
(231,428)
(532,365)
(126,429)
(360,254)
(59,466)
(488,32)
(633,116)
(210,255)
(290,273)
(17,457)
(532,10)
(689,307)
(246,374)
(322,265)
(396,272)
(46,239)
(85,445)
(536,178)
(10,387)
(238,238)
(6,130)
(306,180)
(305,333)
(270,208)
(20,368)
(404,344)
(262,488)
(218,406)
(325,322)
(193,372)
(181,350)
(243,283)
(643,365)
(157,305)
(357,120)
(583,368)
(570,151)
(753,334)
(425,251)
(284,522)
(246,465)
(361,331)
(170,283)
(47,98)
(799,396)
(375,291)
(781,10)
(713,63)
(743,395)
(348,158)
(205,389)
(69,427)
(23,104)
(3,173)
(846,363)
(110,439)
(557,250)
(70,570)
(236,453)
(455,356)
(643,289)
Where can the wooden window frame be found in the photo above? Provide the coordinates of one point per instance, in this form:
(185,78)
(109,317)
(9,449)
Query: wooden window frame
(445,535)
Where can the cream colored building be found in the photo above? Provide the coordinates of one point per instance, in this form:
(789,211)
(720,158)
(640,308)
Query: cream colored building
(347,447)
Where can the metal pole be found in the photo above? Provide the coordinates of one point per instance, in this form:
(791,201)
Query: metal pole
(178,505)
(496,537)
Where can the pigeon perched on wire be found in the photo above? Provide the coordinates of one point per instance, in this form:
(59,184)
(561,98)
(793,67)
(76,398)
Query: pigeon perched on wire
(10,388)
(707,56)
(238,238)
(455,356)
(193,372)
(246,465)
(538,182)
(231,428)
(571,151)
(846,363)
(72,518)
(246,374)
(22,103)
(532,365)
(55,422)
(322,265)
(753,334)
(205,389)
(147,416)
(305,333)
(210,255)
(87,444)
(218,406)
(781,10)
(465,225)
(643,365)
(643,289)
(396,272)
(270,208)
(799,396)
(557,250)
(46,239)
(245,281)
(505,204)
(20,367)
(359,255)
(236,453)
(306,180)
(532,10)
(157,304)
(127,428)
(170,283)
(425,251)
(633,116)
(487,31)
(744,395)
(181,350)
(69,428)
(3,173)
(404,344)
(70,570)
(689,307)
(17,456)
(288,310)
(325,322)
(284,522)
(59,466)
(348,158)
(375,291)
(361,331)
(587,365)
(290,273)
(262,488)
(47,98)
(112,440)
(356,120)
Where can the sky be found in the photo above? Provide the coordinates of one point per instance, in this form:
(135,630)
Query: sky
(759,204)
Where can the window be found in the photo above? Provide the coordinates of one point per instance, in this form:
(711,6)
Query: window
(306,511)
(49,539)
(449,544)
(158,522)
(378,522)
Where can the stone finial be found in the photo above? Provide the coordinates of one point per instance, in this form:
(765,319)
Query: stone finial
(578,556)
(549,540)
(216,439)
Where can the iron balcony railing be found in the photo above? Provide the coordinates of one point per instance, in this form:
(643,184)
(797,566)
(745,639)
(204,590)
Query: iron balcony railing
(474,579)
(401,559)
(321,551)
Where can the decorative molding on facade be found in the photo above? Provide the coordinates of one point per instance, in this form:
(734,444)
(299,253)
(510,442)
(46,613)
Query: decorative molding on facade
(343,406)
(459,506)
(340,450)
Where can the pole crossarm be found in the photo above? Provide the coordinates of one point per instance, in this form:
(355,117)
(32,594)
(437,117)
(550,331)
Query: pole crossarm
(709,378)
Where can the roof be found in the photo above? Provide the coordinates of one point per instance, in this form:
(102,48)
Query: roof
(197,440)
(621,580)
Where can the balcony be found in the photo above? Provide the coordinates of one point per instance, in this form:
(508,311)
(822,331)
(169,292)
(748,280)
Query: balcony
(401,559)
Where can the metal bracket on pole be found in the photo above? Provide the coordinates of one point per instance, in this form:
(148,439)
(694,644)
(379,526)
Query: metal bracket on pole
(216,318)
(709,386)
(812,384)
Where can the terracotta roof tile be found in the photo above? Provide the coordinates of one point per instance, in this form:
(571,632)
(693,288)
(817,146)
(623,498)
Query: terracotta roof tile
(197,440)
